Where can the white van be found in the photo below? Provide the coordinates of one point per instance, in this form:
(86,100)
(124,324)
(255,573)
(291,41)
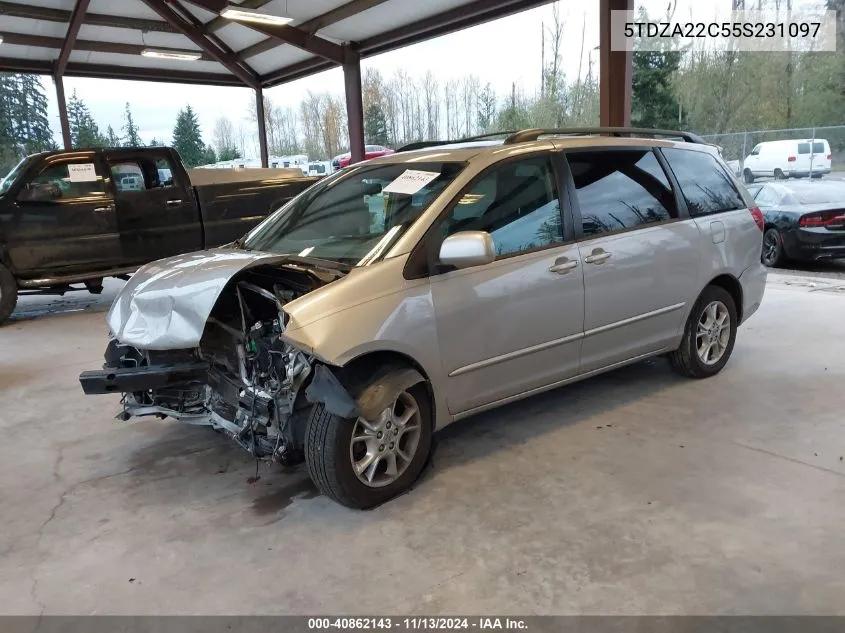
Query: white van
(795,158)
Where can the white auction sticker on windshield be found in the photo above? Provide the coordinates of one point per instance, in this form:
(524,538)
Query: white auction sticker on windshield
(411,181)
(83,172)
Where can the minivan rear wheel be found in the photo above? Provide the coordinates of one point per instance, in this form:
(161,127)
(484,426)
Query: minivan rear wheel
(709,335)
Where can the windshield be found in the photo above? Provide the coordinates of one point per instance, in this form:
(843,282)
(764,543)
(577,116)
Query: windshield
(10,178)
(348,216)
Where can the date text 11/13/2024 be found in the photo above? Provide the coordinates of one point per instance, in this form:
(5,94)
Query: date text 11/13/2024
(415,624)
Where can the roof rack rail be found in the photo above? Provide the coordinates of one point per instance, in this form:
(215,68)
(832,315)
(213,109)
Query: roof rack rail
(481,137)
(533,135)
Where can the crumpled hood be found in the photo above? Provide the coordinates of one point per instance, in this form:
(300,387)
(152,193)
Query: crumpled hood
(166,304)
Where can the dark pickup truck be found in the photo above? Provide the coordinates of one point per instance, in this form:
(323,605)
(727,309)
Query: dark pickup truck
(75,217)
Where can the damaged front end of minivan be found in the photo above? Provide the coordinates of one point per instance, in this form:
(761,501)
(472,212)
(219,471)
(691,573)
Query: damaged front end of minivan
(201,338)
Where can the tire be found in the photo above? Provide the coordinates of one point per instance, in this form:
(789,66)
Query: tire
(817,176)
(747,176)
(330,453)
(772,254)
(686,360)
(8,293)
(779,175)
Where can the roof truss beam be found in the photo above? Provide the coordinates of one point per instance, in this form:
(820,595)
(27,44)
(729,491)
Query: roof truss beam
(16,10)
(76,20)
(313,25)
(106,71)
(191,28)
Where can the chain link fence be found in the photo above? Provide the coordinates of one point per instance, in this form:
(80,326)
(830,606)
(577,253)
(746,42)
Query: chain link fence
(736,146)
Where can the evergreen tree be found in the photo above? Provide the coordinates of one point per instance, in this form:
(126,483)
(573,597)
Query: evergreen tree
(228,153)
(111,139)
(130,130)
(83,129)
(155,142)
(655,102)
(209,156)
(375,125)
(24,126)
(187,138)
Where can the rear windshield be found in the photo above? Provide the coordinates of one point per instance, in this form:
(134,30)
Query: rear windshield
(355,213)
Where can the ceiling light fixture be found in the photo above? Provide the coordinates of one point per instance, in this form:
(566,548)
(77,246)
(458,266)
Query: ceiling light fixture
(188,56)
(239,14)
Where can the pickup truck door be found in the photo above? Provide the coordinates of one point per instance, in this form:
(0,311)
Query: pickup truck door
(157,213)
(63,219)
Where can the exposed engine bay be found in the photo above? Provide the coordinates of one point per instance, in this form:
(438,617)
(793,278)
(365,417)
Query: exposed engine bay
(243,379)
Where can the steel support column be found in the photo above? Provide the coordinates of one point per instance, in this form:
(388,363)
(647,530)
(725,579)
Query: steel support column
(615,86)
(262,127)
(354,106)
(60,99)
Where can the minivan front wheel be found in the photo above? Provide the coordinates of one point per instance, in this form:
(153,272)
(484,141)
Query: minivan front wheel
(361,463)
(709,335)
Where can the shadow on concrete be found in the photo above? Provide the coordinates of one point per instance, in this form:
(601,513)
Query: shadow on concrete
(497,430)
(196,459)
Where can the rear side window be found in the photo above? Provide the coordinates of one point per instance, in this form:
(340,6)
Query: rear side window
(620,190)
(803,148)
(706,186)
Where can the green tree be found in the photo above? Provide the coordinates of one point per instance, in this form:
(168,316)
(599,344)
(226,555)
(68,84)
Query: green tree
(24,126)
(228,153)
(130,130)
(83,129)
(209,156)
(375,124)
(515,115)
(111,138)
(486,108)
(187,138)
(155,142)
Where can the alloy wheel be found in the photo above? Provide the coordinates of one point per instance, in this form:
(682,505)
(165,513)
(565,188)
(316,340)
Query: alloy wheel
(382,449)
(713,333)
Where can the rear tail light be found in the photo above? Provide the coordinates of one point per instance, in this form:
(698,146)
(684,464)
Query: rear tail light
(792,159)
(829,156)
(822,218)
(758,217)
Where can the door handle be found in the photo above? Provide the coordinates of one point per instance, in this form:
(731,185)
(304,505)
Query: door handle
(173,203)
(563,266)
(103,209)
(598,256)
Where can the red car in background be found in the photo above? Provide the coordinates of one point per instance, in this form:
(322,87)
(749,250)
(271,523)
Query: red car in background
(370,151)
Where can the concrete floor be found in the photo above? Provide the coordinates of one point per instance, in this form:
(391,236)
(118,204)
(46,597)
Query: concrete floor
(635,492)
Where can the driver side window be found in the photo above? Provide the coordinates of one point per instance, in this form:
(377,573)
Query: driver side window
(517,203)
(65,181)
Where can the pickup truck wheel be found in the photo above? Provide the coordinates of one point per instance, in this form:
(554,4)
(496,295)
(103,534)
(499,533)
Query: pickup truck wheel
(8,293)
(362,463)
(709,335)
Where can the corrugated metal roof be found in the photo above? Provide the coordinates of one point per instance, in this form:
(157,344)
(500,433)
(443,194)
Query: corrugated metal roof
(324,33)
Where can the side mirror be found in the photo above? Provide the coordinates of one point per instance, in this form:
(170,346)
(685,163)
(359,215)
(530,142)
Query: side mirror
(468,248)
(40,192)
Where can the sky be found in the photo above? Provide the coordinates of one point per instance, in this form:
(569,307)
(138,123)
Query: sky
(501,52)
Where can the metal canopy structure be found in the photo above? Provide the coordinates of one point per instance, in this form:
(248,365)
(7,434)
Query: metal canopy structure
(191,42)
